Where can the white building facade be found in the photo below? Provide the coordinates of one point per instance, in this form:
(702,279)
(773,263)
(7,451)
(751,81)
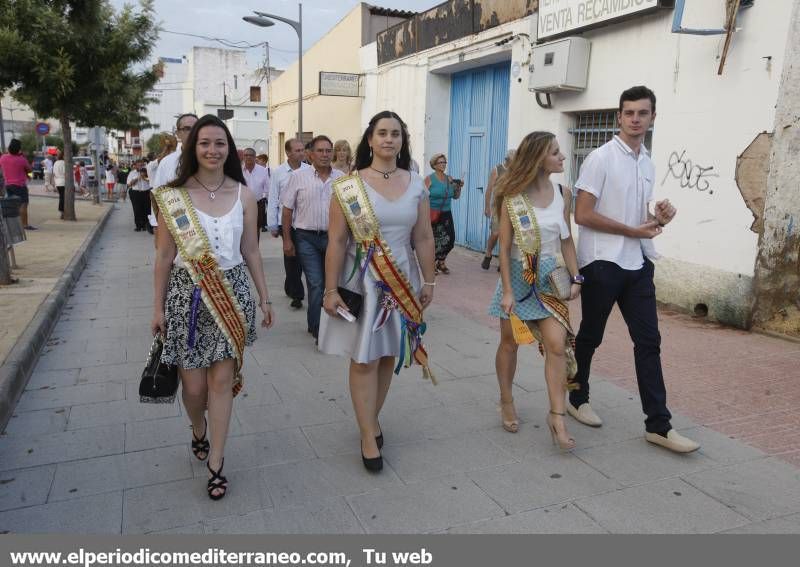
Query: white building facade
(470,98)
(205,81)
(221,78)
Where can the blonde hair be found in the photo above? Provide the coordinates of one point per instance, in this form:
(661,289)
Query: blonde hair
(435,158)
(523,168)
(343,145)
(168,143)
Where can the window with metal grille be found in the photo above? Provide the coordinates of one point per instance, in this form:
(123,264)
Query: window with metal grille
(593,129)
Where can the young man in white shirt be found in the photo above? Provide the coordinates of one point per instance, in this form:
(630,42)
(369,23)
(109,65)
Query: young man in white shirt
(295,151)
(307,200)
(257,178)
(167,168)
(615,249)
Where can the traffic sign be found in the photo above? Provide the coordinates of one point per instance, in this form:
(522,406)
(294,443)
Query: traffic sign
(42,128)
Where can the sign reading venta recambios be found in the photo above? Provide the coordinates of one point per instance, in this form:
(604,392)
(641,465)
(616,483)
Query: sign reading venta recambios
(559,17)
(338,84)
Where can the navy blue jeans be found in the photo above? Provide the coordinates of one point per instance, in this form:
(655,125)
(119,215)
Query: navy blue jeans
(310,246)
(293,284)
(633,290)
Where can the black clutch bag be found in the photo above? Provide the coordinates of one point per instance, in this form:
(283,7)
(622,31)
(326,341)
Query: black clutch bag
(353,300)
(159,381)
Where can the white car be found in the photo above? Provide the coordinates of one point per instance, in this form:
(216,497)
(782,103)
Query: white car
(88,164)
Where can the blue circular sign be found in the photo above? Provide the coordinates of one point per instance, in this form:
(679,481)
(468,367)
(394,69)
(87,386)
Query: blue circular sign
(42,128)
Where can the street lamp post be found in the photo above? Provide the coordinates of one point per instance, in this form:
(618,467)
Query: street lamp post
(263,19)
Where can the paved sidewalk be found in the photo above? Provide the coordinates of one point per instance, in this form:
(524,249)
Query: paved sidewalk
(745,385)
(41,260)
(82,455)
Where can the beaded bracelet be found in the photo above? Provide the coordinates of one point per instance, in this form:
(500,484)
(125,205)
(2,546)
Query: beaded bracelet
(329,291)
(429,283)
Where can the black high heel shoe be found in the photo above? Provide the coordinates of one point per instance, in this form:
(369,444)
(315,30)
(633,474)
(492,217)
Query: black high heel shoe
(374,464)
(201,447)
(379,439)
(217,484)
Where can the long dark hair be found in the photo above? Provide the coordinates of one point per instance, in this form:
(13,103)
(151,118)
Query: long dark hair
(363,155)
(188,165)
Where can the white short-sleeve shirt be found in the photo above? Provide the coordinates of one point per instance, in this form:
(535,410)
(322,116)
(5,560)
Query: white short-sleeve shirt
(622,182)
(167,168)
(257,180)
(280,177)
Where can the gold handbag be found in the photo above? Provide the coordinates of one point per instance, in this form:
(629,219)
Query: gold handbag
(561,282)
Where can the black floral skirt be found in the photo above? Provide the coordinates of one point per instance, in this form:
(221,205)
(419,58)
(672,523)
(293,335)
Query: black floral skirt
(210,344)
(444,235)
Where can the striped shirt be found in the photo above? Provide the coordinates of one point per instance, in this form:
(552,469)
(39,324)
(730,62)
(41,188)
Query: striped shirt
(309,197)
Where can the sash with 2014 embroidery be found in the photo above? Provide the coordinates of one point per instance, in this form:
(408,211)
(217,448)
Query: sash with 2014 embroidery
(210,283)
(394,289)
(528,239)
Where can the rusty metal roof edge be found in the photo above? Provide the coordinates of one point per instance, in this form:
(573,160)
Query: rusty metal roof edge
(391,12)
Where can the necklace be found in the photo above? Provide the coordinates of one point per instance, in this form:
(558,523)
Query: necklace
(211,192)
(385,174)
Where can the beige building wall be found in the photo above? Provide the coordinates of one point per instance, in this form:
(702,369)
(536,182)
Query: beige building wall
(335,116)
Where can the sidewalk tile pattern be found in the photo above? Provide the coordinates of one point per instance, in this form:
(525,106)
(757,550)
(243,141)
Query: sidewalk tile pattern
(82,455)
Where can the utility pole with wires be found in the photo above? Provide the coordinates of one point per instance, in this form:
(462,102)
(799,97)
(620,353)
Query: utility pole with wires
(269,80)
(223,113)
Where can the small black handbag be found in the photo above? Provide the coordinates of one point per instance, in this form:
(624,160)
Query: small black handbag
(353,300)
(159,381)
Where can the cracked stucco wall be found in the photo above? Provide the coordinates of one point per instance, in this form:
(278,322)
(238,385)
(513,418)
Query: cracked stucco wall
(777,270)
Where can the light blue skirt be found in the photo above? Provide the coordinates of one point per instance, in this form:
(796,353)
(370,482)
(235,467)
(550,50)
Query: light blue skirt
(530,309)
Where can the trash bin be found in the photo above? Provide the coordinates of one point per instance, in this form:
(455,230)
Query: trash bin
(12,223)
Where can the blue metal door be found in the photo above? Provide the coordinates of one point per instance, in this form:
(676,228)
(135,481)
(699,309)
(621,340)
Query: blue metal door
(478,134)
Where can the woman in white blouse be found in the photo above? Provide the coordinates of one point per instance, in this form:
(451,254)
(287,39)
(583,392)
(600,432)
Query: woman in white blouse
(211,174)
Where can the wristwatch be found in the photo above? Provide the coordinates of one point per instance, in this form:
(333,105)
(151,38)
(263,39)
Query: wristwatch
(579,279)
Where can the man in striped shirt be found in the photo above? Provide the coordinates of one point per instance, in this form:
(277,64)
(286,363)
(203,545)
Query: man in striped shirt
(307,198)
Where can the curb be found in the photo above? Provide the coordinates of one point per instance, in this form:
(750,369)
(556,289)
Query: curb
(16,369)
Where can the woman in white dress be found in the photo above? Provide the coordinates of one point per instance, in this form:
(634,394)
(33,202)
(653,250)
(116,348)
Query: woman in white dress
(400,202)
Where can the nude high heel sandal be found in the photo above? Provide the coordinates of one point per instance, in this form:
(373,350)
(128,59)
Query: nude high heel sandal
(563,440)
(512,425)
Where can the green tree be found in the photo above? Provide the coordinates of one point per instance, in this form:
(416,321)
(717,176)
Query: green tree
(153,144)
(81,61)
(30,143)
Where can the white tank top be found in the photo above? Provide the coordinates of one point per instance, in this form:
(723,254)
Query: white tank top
(224,234)
(552,227)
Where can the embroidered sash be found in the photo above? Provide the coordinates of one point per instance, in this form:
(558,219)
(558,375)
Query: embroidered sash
(180,217)
(528,239)
(393,285)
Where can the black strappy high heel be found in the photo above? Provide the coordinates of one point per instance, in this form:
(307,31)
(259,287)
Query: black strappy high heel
(201,445)
(217,482)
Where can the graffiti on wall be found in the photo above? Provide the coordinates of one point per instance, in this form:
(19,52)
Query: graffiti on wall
(689,174)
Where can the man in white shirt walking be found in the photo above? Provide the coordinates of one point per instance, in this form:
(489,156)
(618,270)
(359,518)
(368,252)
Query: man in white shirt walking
(615,249)
(295,151)
(140,196)
(257,178)
(47,169)
(168,167)
(307,198)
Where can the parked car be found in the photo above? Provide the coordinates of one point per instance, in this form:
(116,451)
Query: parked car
(88,164)
(37,167)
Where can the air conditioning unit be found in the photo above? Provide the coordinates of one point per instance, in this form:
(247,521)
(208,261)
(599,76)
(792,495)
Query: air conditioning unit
(561,65)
